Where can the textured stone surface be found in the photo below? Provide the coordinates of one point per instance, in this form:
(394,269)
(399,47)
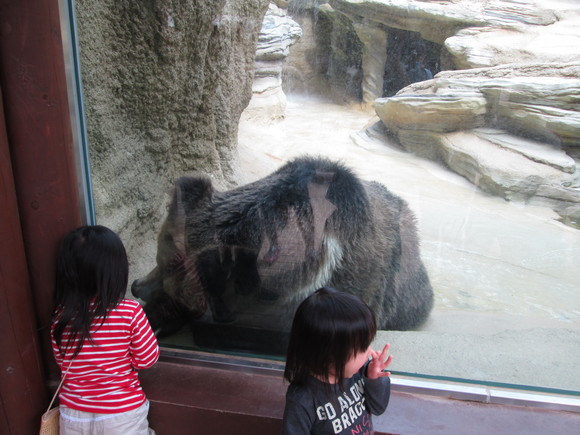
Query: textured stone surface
(477,33)
(374,56)
(278,33)
(164,85)
(426,112)
(532,150)
(552,39)
(541,107)
(498,170)
(533,129)
(520,78)
(473,34)
(435,21)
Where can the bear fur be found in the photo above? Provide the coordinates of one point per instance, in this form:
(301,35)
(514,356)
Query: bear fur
(250,255)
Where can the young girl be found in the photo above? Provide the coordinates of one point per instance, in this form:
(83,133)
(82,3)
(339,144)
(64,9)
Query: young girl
(333,386)
(99,338)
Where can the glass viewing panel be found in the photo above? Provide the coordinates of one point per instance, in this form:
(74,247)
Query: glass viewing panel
(450,205)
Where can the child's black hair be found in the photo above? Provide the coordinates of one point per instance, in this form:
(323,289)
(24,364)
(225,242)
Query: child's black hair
(92,272)
(329,328)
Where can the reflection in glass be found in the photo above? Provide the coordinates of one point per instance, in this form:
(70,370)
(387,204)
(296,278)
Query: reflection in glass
(235,264)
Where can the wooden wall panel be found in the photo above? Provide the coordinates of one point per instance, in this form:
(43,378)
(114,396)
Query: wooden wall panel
(22,388)
(38,126)
(39,202)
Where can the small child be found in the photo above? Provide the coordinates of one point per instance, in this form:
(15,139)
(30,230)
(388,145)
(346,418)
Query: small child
(333,386)
(99,338)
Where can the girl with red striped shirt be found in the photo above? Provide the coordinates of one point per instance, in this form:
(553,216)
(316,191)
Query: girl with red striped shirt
(99,339)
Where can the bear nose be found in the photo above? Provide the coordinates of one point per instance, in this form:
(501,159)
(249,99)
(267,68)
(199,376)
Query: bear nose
(135,288)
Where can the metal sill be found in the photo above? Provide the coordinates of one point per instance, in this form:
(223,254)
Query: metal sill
(485,394)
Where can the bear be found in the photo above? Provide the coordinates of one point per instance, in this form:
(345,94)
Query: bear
(247,257)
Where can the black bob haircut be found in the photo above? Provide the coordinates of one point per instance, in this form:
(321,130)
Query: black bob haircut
(92,272)
(329,328)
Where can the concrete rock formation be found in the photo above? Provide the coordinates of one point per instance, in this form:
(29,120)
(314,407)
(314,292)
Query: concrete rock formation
(164,85)
(503,111)
(278,33)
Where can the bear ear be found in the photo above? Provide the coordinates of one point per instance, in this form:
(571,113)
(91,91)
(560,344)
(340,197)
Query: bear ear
(194,188)
(190,191)
(187,194)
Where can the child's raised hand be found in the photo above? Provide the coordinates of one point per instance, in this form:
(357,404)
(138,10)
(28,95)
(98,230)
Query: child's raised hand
(378,364)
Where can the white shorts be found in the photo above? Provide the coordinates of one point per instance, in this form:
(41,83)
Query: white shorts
(134,422)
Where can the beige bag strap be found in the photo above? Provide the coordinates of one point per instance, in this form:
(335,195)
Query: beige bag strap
(58,389)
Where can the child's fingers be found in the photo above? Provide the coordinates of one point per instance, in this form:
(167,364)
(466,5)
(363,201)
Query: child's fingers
(380,361)
(384,352)
(381,357)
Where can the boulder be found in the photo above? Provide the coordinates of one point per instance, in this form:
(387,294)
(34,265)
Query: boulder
(503,170)
(542,107)
(509,130)
(433,113)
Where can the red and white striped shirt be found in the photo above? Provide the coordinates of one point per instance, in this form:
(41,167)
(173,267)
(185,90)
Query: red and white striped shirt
(103,376)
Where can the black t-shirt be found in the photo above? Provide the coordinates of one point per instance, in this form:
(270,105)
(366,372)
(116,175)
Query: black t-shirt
(314,409)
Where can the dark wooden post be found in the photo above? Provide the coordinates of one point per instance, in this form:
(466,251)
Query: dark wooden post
(22,386)
(39,201)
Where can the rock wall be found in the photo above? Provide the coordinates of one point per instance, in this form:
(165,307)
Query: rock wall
(164,84)
(328,57)
(512,130)
(505,112)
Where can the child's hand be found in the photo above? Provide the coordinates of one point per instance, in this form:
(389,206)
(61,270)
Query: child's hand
(378,364)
